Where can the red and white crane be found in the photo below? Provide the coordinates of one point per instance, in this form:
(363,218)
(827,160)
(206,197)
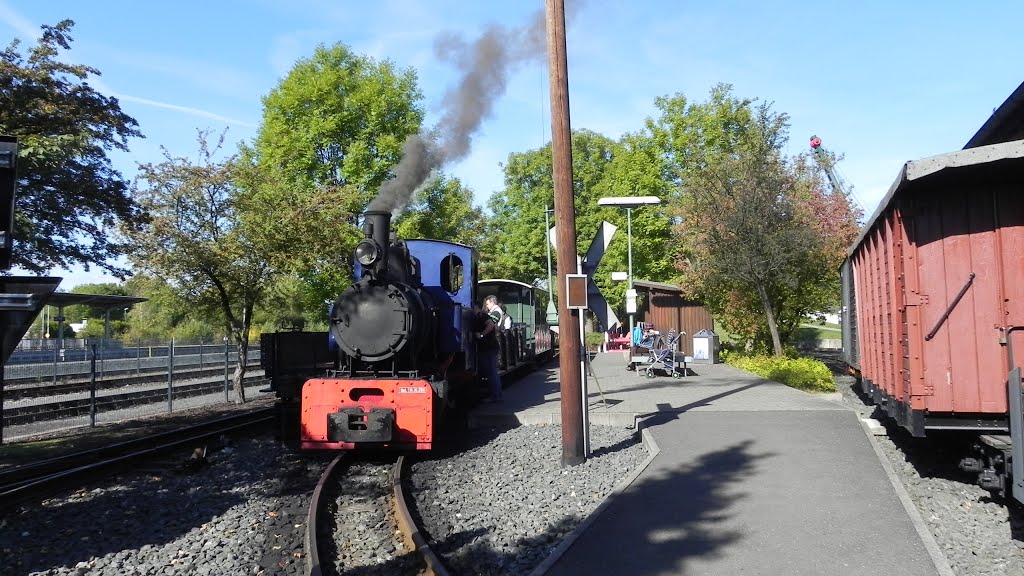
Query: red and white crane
(826,164)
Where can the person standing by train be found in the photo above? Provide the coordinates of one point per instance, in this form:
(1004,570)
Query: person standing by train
(487,346)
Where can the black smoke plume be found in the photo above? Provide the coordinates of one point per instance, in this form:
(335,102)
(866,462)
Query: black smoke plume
(485,64)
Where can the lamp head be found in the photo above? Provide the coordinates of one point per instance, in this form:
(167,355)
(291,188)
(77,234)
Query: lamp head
(629,201)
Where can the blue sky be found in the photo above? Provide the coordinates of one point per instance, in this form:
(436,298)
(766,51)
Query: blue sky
(880,82)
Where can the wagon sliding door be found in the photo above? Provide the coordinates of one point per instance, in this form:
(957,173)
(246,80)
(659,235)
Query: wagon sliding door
(961,271)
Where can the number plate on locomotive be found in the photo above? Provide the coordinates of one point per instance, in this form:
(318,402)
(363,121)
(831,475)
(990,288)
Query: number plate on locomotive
(412,389)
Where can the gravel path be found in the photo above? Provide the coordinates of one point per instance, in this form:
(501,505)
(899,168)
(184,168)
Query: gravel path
(978,535)
(504,503)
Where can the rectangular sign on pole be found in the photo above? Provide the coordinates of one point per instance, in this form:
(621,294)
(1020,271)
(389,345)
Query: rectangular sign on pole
(631,301)
(576,291)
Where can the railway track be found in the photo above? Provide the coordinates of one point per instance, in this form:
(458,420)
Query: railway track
(358,520)
(27,388)
(28,413)
(34,481)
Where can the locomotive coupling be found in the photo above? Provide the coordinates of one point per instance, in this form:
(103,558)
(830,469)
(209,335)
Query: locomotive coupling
(355,425)
(972,465)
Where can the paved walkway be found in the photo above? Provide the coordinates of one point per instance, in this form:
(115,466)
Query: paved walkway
(752,477)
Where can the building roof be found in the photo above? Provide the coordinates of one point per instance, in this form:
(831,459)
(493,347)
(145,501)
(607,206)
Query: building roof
(97,300)
(657,286)
(1004,125)
(505,281)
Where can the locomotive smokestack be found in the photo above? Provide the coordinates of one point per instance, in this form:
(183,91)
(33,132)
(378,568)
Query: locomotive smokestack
(377,225)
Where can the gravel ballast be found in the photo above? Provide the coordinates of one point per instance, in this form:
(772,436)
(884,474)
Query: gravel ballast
(235,515)
(499,505)
(244,512)
(502,505)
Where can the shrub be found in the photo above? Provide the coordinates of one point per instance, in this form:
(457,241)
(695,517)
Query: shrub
(799,373)
(594,339)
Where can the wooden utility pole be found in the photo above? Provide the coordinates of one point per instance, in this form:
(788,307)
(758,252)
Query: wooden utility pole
(565,225)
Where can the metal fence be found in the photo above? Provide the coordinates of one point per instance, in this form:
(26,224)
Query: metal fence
(48,390)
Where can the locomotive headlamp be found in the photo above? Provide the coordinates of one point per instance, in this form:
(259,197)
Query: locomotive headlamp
(367,252)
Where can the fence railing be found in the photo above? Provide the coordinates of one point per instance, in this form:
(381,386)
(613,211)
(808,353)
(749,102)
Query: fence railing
(70,388)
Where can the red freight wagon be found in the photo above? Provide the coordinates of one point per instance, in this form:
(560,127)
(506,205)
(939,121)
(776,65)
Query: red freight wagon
(933,286)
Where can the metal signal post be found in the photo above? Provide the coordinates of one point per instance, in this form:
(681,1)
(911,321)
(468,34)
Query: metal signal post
(573,449)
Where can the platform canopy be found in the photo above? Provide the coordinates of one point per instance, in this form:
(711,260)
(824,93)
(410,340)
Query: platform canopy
(63,299)
(21,298)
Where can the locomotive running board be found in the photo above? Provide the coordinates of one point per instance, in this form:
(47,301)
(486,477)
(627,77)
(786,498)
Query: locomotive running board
(1016,391)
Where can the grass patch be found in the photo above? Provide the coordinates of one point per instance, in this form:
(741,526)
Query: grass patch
(814,334)
(800,373)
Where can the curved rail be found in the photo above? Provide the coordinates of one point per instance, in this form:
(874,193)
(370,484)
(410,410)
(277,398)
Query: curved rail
(409,529)
(316,508)
(23,483)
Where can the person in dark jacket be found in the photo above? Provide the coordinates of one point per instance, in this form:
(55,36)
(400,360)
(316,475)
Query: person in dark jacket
(487,346)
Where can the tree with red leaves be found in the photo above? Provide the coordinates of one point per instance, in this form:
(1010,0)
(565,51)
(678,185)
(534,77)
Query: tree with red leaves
(759,241)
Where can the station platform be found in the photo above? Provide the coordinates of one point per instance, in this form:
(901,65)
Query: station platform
(749,477)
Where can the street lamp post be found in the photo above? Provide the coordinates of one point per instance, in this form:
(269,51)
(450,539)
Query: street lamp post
(629,202)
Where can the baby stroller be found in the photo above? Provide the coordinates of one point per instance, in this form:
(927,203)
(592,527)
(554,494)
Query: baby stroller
(664,355)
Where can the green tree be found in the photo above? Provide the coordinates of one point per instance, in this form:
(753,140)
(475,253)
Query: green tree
(694,136)
(202,240)
(339,119)
(154,321)
(443,210)
(79,312)
(332,130)
(514,247)
(638,168)
(601,167)
(96,328)
(291,305)
(69,199)
(757,237)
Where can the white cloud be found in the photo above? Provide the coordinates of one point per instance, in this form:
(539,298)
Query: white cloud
(203,74)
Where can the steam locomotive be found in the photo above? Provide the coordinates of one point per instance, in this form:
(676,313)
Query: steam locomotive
(400,353)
